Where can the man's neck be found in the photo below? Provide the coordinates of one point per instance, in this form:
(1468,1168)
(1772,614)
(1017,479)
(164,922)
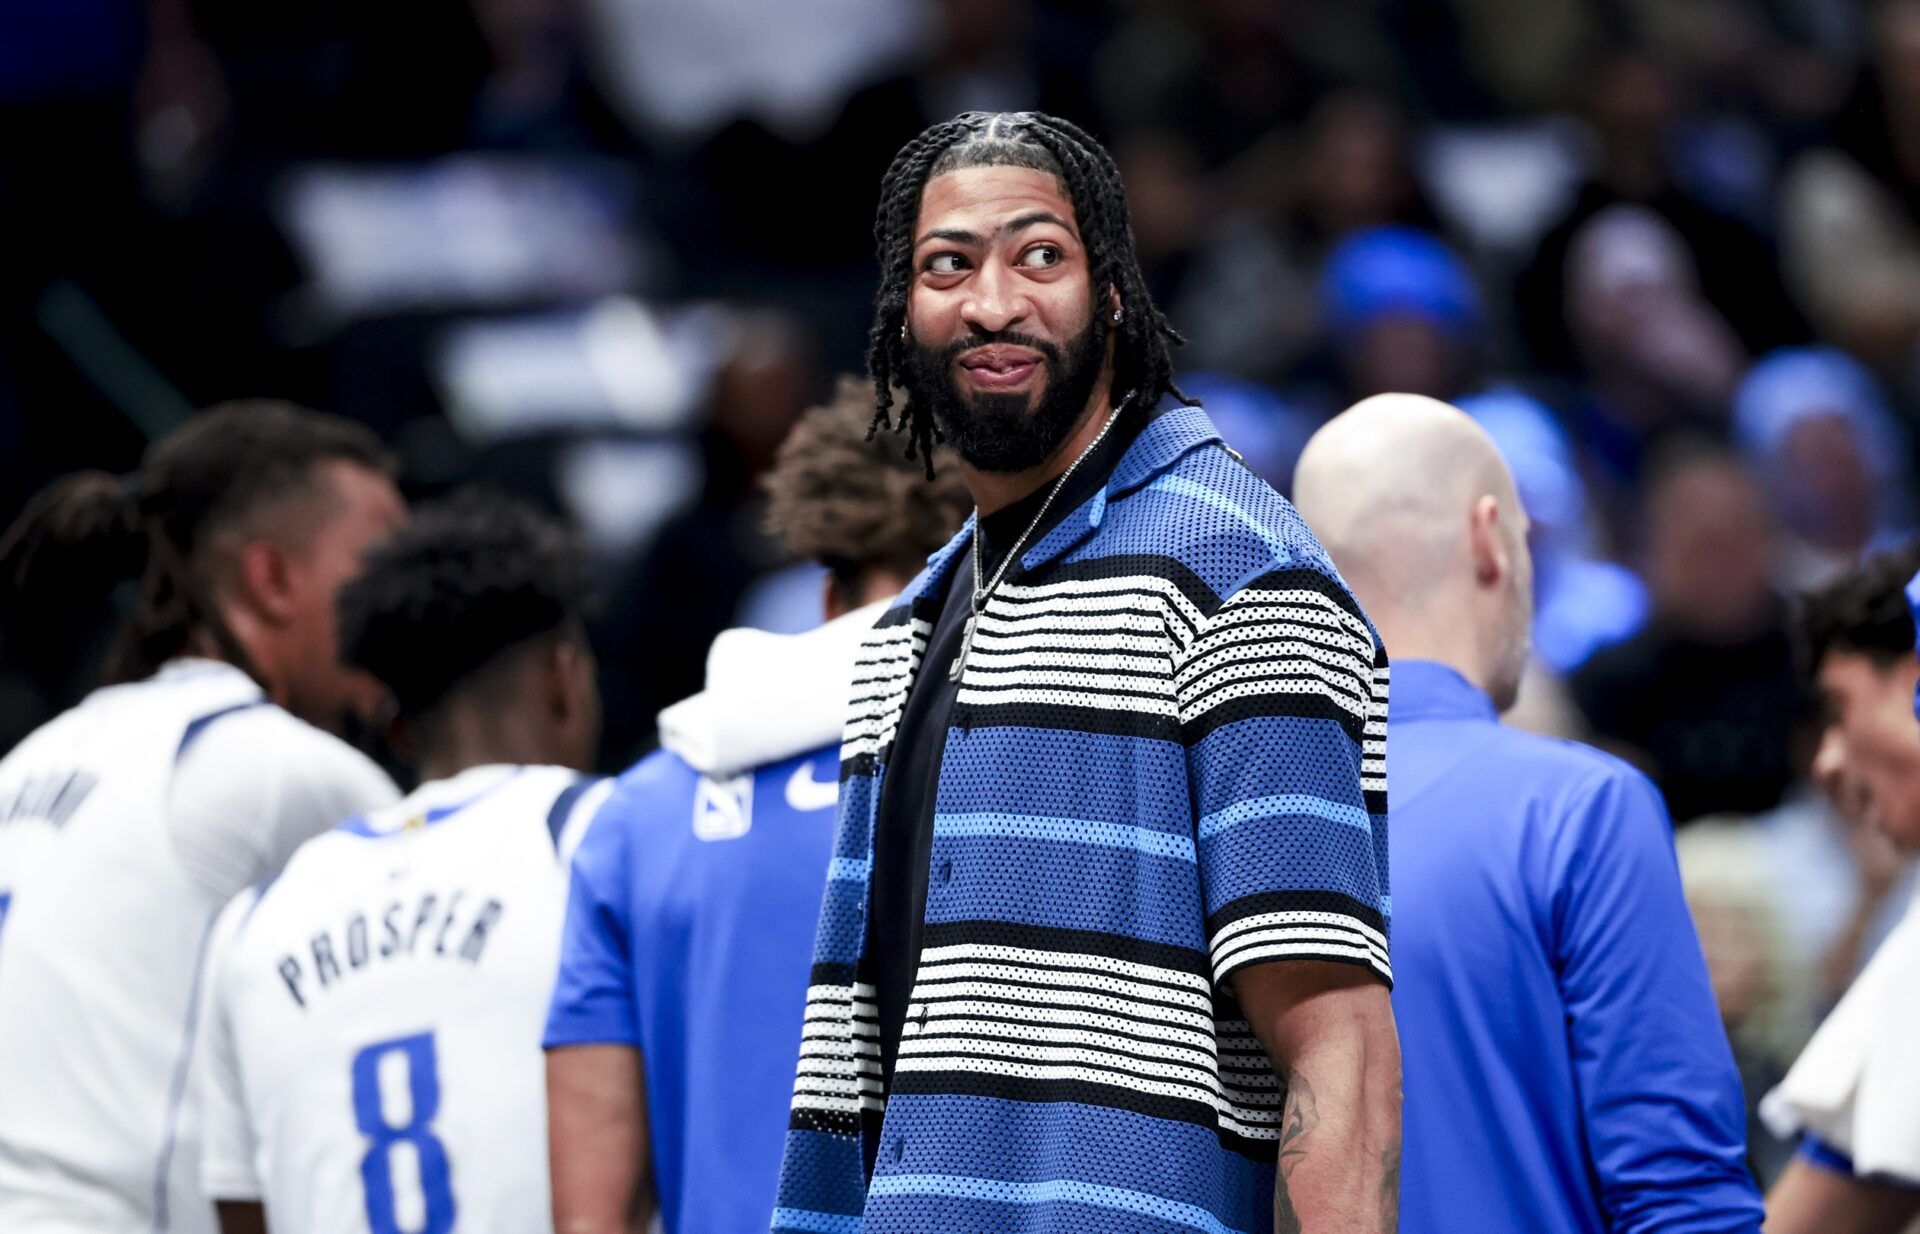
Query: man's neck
(996,490)
(469,740)
(1437,631)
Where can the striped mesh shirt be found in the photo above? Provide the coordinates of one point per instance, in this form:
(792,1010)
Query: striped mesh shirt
(1166,762)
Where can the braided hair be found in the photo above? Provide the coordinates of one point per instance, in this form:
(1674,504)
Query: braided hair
(167,527)
(1143,360)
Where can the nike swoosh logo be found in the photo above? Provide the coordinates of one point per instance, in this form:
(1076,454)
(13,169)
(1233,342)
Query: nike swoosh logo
(804,793)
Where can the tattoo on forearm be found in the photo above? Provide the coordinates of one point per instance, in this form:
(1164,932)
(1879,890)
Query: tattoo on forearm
(1298,1119)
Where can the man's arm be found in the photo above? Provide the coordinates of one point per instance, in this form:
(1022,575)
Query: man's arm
(254,786)
(1659,1093)
(227,1142)
(1811,1200)
(1282,698)
(597,1140)
(597,1132)
(1329,1030)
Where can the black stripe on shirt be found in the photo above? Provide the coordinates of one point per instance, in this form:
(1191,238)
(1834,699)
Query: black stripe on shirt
(1330,902)
(1080,1092)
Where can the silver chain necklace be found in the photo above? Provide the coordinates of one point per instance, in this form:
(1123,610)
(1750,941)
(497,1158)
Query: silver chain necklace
(981,594)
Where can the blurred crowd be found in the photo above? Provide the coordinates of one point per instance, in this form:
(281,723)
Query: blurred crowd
(603,252)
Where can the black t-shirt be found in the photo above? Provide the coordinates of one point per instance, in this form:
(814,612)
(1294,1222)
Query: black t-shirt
(903,831)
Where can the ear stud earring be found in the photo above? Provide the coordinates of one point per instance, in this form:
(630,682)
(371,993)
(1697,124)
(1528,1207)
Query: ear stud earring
(1116,315)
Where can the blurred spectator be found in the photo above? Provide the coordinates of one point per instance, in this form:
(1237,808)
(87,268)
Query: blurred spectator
(1832,457)
(688,586)
(812,256)
(1706,698)
(1243,283)
(1230,78)
(681,72)
(1656,356)
(980,55)
(1581,601)
(1766,999)
(1851,245)
(1493,56)
(1402,313)
(537,93)
(1631,104)
(1355,171)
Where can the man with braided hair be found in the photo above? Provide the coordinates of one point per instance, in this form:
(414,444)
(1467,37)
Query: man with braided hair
(1104,938)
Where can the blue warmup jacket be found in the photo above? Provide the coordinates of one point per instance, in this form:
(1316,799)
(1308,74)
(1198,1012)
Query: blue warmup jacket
(1564,1064)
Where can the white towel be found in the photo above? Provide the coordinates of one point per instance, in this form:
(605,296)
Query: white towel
(768,696)
(1857,1084)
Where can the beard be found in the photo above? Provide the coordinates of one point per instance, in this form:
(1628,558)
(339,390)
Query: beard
(1515,651)
(1000,432)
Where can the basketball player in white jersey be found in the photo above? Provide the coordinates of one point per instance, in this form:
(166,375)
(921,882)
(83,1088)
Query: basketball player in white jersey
(374,1015)
(129,821)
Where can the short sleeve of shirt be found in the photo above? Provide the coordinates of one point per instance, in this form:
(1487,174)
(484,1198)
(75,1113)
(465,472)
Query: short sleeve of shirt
(228,1146)
(594,1001)
(1824,1157)
(257,784)
(1282,709)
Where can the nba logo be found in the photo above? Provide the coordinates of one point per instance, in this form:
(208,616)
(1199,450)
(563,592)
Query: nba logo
(723,809)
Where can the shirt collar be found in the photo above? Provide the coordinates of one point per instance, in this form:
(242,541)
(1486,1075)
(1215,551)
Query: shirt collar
(1166,439)
(192,668)
(1429,690)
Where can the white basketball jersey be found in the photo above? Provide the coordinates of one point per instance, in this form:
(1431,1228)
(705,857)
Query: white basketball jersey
(125,825)
(375,1014)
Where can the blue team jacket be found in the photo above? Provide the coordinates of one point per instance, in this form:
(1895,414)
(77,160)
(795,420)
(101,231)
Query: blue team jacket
(1564,1066)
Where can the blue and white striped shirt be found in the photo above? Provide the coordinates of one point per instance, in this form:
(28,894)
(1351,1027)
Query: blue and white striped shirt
(1166,762)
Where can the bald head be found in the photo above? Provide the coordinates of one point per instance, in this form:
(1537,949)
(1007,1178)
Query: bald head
(1387,486)
(1417,508)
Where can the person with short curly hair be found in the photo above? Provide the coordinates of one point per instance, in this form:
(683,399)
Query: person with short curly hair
(473,620)
(870,526)
(389,987)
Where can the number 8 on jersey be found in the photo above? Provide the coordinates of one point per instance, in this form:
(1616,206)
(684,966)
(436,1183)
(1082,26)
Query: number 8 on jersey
(391,1139)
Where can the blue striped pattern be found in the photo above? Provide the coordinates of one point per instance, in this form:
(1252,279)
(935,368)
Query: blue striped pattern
(1053,1191)
(816,1223)
(1213,824)
(856,869)
(1066,831)
(1166,762)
